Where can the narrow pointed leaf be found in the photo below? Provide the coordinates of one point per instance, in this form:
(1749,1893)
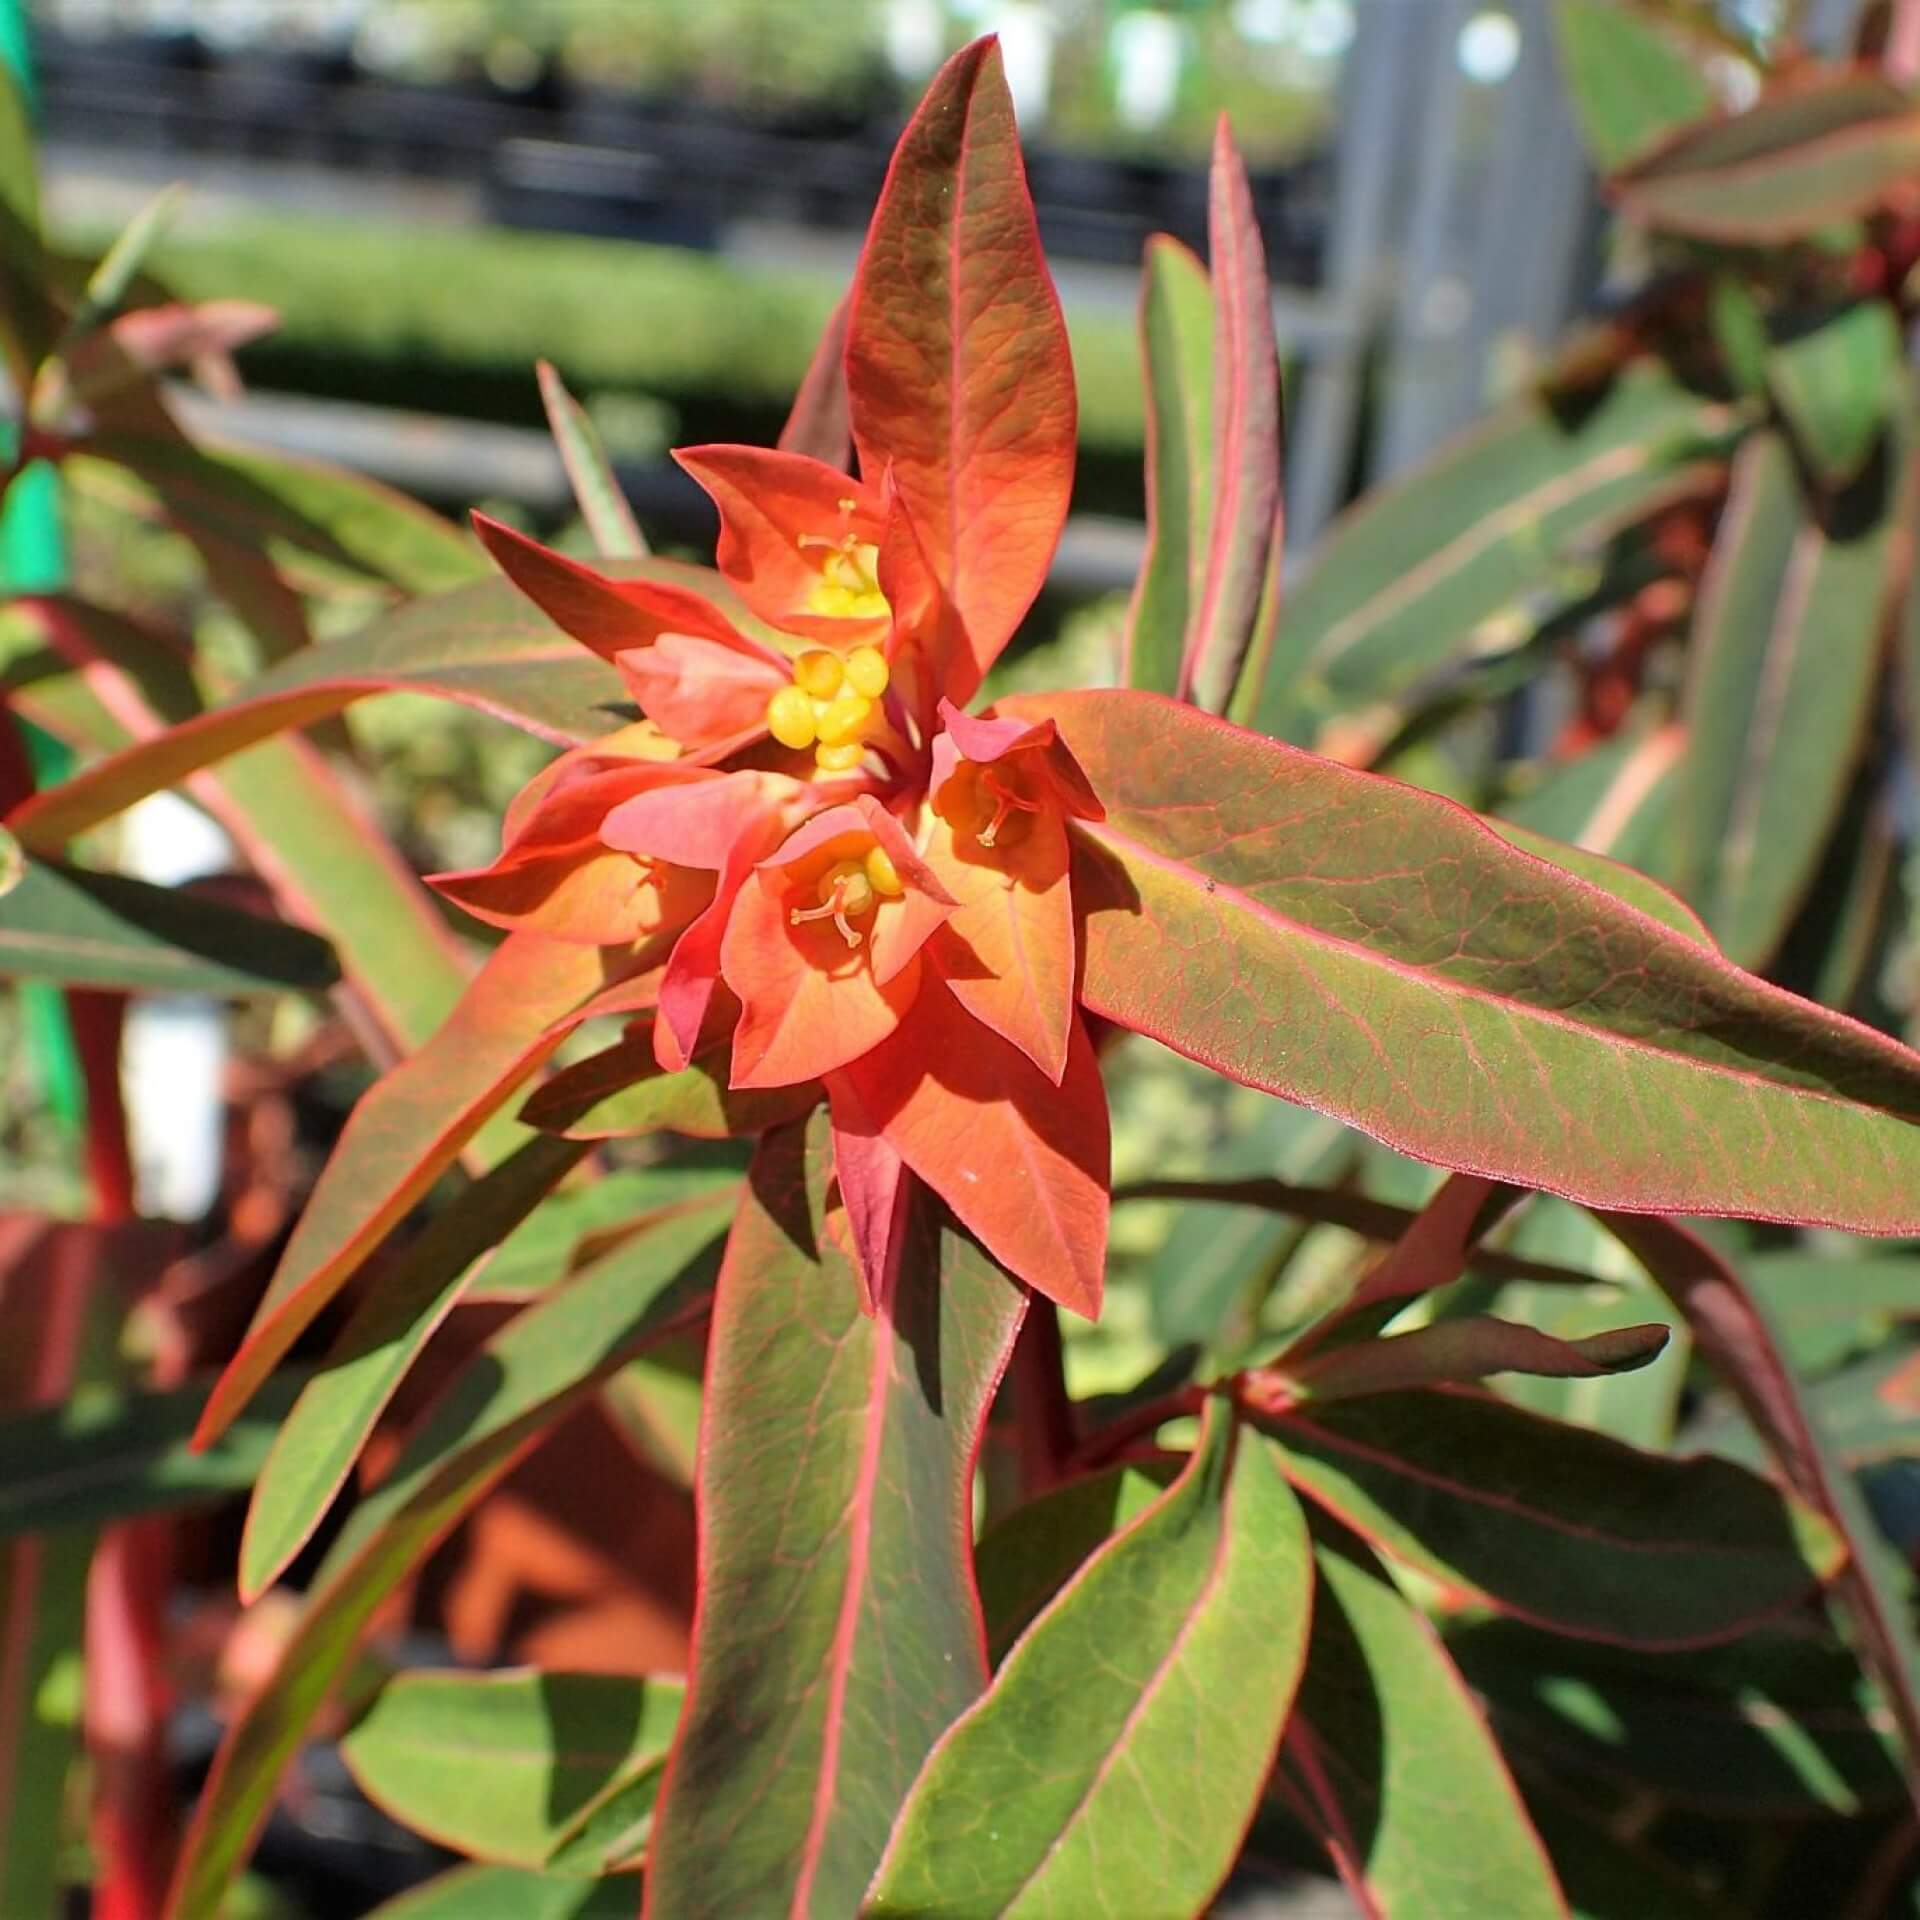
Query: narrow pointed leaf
(1244,500)
(103,930)
(405,1132)
(1390,1760)
(596,490)
(581,1222)
(79,1466)
(1375,953)
(1798,160)
(1179,1645)
(957,362)
(1556,1525)
(1787,643)
(1629,82)
(1875,1591)
(523,1380)
(326,1428)
(837,1633)
(244,497)
(518,1767)
(820,425)
(1430,569)
(1176,338)
(483,646)
(1470,1348)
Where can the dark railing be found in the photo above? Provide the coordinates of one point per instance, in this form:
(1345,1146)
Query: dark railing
(609,163)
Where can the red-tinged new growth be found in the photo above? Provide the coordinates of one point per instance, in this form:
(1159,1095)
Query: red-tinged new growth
(862,884)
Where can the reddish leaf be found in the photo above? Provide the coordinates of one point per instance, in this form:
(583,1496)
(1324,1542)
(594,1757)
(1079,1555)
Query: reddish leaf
(1246,507)
(957,362)
(404,1134)
(156,339)
(1022,1163)
(837,1631)
(875,1190)
(819,425)
(1376,953)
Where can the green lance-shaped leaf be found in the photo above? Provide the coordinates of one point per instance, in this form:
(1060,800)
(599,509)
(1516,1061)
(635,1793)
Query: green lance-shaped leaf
(1787,647)
(621,1091)
(1124,1744)
(837,1633)
(1024,1561)
(1431,569)
(1236,586)
(407,1129)
(1732,1330)
(103,930)
(554,1771)
(603,506)
(114,1456)
(335,1415)
(581,1222)
(1771,1724)
(1377,954)
(512,1893)
(484,646)
(1557,1525)
(1629,81)
(1837,385)
(1800,159)
(1389,1759)
(521,1382)
(1176,338)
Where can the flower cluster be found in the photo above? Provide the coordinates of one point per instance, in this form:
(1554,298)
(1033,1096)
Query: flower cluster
(839,871)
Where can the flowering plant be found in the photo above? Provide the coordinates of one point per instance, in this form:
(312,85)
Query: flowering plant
(796,890)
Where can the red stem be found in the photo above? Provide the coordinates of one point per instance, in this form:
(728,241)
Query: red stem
(1103,1446)
(1043,1415)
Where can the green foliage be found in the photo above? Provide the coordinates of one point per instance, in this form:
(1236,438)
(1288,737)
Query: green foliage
(1499,1553)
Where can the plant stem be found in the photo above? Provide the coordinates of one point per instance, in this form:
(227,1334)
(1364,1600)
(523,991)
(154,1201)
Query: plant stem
(1043,1415)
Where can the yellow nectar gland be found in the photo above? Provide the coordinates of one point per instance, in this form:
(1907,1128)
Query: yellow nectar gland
(829,704)
(849,890)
